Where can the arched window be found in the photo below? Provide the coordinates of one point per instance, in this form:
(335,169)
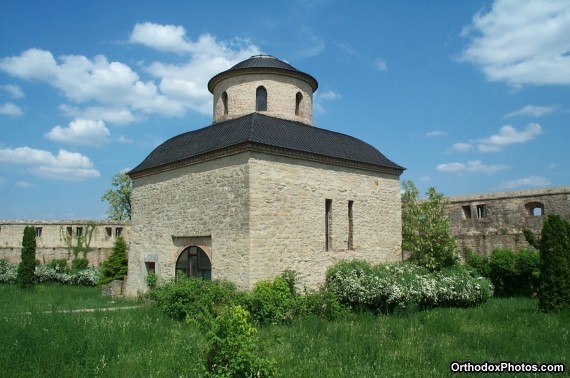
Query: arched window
(298,99)
(535,209)
(261,99)
(225,102)
(193,261)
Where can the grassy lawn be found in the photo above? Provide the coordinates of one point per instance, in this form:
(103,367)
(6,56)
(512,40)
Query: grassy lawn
(143,343)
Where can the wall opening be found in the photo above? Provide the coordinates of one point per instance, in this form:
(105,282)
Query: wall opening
(298,99)
(38,232)
(118,231)
(481,211)
(193,261)
(79,231)
(350,226)
(225,102)
(261,99)
(109,231)
(535,209)
(466,211)
(328,224)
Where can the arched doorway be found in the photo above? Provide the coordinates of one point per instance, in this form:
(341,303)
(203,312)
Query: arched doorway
(194,262)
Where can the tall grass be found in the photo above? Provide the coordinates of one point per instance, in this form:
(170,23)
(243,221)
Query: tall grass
(142,342)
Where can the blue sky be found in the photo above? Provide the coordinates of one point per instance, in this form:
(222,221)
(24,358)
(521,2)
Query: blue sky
(469,96)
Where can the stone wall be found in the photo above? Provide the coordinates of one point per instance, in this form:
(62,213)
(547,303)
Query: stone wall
(281,97)
(287,217)
(496,220)
(54,238)
(203,204)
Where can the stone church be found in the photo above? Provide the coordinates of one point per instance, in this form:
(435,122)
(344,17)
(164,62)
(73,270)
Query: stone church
(261,190)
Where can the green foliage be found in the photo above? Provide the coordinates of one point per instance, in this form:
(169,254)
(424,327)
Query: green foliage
(77,244)
(78,264)
(480,264)
(59,265)
(271,301)
(386,288)
(322,304)
(120,198)
(426,230)
(554,290)
(531,239)
(514,274)
(26,277)
(232,347)
(194,299)
(8,271)
(151,280)
(290,278)
(115,267)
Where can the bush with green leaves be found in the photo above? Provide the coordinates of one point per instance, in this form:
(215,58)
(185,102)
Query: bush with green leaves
(554,289)
(271,301)
(322,304)
(115,267)
(233,349)
(514,273)
(8,271)
(79,263)
(194,298)
(386,288)
(479,264)
(86,277)
(59,265)
(26,277)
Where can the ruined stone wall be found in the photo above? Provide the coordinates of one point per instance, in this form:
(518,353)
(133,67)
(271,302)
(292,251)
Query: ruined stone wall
(54,239)
(496,220)
(204,204)
(281,97)
(287,217)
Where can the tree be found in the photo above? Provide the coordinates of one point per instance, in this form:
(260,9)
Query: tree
(115,267)
(120,198)
(426,231)
(27,268)
(554,287)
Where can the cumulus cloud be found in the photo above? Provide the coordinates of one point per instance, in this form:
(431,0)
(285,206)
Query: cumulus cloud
(436,133)
(535,111)
(80,131)
(381,64)
(523,42)
(10,109)
(530,181)
(508,135)
(474,166)
(320,98)
(12,90)
(23,184)
(461,147)
(116,93)
(65,165)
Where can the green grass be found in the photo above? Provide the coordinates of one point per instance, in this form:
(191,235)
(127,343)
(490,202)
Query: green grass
(144,343)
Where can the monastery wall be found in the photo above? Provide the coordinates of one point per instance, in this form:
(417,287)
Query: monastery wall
(55,239)
(485,222)
(288,215)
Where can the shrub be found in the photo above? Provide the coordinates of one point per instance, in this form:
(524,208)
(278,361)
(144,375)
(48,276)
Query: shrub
(232,347)
(480,264)
(323,304)
(115,267)
(504,273)
(79,264)
(290,278)
(8,271)
(59,265)
(271,301)
(151,280)
(390,287)
(554,289)
(528,271)
(26,277)
(194,298)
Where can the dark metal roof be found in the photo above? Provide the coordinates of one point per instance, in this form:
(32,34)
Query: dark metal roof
(263,63)
(268,131)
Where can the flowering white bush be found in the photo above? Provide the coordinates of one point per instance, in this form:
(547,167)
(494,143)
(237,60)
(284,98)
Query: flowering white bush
(388,287)
(8,272)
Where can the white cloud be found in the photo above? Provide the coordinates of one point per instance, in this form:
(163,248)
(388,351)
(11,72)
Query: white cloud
(13,90)
(80,131)
(65,165)
(319,98)
(508,135)
(530,181)
(532,110)
(436,133)
(329,95)
(473,166)
(119,94)
(522,42)
(381,64)
(461,147)
(10,109)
